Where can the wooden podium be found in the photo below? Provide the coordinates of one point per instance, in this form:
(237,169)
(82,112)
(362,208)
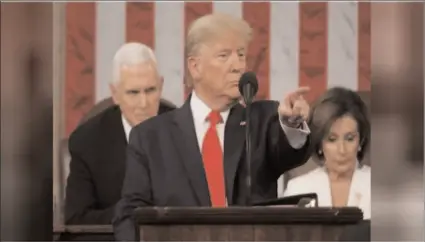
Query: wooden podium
(245,223)
(228,224)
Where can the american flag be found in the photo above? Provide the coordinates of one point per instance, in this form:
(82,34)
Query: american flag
(316,44)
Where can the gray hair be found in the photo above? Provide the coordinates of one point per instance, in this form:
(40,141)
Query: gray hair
(131,54)
(211,25)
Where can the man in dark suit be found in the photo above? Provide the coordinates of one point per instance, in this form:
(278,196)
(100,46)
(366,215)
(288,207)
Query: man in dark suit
(193,156)
(98,146)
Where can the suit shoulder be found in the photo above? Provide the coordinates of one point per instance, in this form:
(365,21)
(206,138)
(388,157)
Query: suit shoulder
(89,130)
(306,178)
(265,108)
(365,169)
(365,172)
(302,184)
(267,104)
(155,123)
(165,107)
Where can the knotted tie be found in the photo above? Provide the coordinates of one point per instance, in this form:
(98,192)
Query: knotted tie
(212,156)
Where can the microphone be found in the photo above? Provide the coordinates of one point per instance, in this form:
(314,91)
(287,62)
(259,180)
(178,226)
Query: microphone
(248,87)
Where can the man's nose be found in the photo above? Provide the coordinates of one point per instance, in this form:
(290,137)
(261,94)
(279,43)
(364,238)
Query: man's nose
(143,101)
(238,63)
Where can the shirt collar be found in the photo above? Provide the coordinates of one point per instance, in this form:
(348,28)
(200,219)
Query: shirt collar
(200,110)
(127,127)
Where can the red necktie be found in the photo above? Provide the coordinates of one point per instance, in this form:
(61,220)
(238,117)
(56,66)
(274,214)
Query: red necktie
(212,156)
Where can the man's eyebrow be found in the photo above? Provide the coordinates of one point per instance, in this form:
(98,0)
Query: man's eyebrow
(132,90)
(150,88)
(224,50)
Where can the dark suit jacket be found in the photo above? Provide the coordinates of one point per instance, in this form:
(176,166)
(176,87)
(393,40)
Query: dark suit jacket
(97,168)
(165,168)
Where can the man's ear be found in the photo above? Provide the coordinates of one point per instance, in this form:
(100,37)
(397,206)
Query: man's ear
(114,93)
(193,67)
(161,82)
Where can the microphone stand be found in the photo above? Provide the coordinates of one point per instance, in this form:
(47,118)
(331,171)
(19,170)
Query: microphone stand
(248,151)
(248,89)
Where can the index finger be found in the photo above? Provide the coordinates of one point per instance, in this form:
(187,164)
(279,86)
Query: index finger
(302,90)
(299,92)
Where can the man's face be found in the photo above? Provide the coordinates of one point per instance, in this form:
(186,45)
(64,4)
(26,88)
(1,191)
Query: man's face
(138,93)
(219,65)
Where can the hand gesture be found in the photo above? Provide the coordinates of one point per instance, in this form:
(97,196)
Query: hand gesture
(293,109)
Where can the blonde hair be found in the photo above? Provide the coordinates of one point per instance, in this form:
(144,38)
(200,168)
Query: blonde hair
(209,26)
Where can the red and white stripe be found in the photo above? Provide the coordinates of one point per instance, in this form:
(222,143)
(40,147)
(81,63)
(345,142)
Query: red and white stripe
(295,44)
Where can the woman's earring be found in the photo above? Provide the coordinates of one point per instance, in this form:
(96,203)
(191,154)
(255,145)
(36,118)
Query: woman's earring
(320,152)
(359,149)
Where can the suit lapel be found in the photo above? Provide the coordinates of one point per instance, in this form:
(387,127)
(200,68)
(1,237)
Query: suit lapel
(234,140)
(323,187)
(118,134)
(184,136)
(355,195)
(116,140)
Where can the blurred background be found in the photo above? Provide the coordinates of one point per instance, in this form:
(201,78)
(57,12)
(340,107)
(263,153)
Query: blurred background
(56,66)
(26,120)
(397,121)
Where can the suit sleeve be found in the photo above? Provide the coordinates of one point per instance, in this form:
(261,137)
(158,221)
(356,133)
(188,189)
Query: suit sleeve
(80,190)
(296,136)
(280,153)
(136,191)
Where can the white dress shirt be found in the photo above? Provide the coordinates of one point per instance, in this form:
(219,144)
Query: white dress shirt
(127,127)
(200,112)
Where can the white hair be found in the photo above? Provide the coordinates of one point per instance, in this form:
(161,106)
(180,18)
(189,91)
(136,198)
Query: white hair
(131,54)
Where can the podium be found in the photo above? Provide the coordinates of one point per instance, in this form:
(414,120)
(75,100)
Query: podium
(229,224)
(245,223)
